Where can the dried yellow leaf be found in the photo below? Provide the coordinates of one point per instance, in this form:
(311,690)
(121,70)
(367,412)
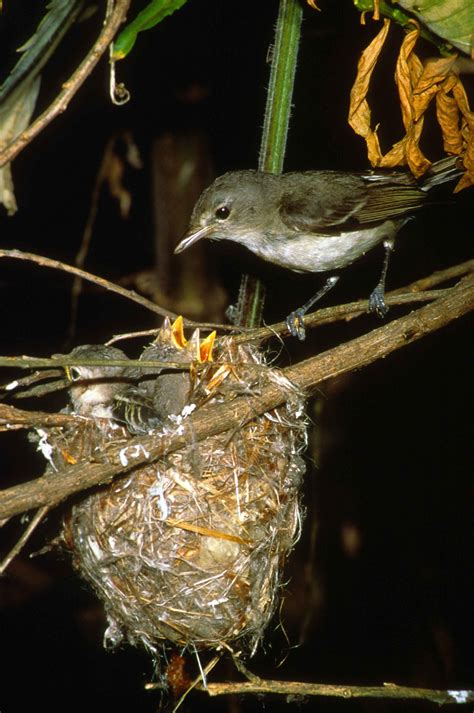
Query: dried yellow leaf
(467,131)
(417,85)
(433,75)
(359,110)
(448,116)
(407,75)
(396,155)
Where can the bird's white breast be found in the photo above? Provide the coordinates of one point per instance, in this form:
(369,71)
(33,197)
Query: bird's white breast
(310,252)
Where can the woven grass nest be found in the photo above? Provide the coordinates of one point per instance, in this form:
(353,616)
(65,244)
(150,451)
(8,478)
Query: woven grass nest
(190,549)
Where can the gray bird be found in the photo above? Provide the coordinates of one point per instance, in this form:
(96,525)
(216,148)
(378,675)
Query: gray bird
(94,388)
(139,398)
(314,221)
(158,392)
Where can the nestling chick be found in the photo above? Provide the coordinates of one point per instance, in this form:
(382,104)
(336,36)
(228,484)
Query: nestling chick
(94,388)
(159,392)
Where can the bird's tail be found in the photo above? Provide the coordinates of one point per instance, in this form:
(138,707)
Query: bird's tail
(443,171)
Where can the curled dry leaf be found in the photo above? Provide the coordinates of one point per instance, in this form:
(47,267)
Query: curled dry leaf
(447,114)
(435,71)
(359,110)
(407,75)
(417,85)
(467,131)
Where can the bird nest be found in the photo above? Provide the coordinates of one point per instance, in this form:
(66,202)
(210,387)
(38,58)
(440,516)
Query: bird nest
(190,548)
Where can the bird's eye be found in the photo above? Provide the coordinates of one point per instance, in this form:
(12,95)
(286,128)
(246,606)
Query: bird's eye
(73,373)
(222,213)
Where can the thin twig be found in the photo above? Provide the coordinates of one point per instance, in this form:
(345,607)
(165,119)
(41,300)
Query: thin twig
(87,233)
(104,283)
(297,688)
(53,488)
(16,549)
(101,281)
(199,680)
(71,86)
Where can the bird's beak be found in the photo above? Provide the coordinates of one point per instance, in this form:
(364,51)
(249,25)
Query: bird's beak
(192,238)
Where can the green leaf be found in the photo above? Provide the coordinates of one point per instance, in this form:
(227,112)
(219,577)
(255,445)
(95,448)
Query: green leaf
(37,50)
(444,23)
(151,15)
(453,20)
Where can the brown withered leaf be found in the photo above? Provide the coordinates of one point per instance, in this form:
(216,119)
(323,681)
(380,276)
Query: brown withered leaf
(435,71)
(114,170)
(417,85)
(460,95)
(114,165)
(407,76)
(448,116)
(467,131)
(359,110)
(396,155)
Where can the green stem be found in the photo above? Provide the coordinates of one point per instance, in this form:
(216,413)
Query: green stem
(280,89)
(275,131)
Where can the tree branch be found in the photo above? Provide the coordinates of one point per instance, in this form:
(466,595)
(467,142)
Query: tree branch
(70,87)
(11,417)
(417,291)
(53,488)
(297,688)
(104,283)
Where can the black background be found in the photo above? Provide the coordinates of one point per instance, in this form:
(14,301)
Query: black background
(378,585)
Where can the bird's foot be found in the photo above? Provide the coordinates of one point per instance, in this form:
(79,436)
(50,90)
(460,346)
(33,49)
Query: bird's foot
(295,324)
(377,303)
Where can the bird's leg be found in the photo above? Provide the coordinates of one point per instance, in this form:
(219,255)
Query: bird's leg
(295,321)
(377,298)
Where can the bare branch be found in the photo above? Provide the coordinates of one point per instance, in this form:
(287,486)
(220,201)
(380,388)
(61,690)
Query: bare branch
(338,313)
(101,281)
(418,291)
(297,688)
(51,489)
(14,417)
(106,284)
(70,87)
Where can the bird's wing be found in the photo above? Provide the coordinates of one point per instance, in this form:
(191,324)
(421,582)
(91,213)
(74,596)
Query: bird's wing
(321,200)
(136,410)
(325,200)
(388,198)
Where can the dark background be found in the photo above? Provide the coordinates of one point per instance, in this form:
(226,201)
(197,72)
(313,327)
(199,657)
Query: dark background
(378,585)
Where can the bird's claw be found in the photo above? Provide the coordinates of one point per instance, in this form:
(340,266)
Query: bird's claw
(295,324)
(377,303)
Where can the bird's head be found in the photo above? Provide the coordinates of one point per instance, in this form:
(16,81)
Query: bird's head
(93,387)
(226,209)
